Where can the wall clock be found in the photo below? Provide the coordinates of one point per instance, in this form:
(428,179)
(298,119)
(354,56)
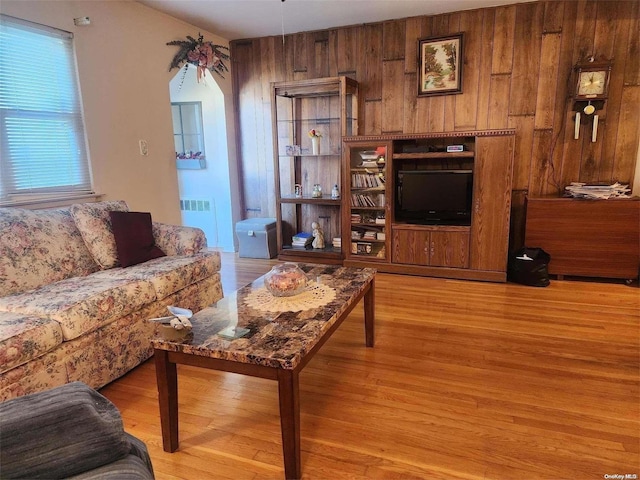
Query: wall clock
(592,81)
(592,85)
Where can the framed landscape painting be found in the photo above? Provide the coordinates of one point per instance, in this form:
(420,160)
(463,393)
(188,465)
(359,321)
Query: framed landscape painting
(440,65)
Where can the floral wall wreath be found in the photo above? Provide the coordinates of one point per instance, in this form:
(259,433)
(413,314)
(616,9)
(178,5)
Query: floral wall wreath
(204,55)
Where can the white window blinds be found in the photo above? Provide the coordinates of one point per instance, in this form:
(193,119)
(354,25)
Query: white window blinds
(43,147)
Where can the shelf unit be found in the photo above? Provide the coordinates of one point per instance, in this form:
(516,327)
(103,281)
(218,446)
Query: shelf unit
(329,106)
(366,217)
(475,249)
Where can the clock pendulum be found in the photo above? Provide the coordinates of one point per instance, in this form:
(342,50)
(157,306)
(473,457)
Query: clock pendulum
(588,110)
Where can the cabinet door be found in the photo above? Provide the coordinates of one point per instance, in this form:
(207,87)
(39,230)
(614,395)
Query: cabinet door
(491,203)
(411,247)
(366,209)
(449,249)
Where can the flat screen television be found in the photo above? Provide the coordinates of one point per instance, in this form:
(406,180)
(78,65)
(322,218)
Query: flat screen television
(434,197)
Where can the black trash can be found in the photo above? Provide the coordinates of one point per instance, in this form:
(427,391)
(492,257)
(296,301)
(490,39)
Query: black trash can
(528,266)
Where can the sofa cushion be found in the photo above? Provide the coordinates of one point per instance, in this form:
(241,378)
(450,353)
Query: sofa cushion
(179,240)
(92,219)
(83,304)
(169,274)
(24,338)
(38,247)
(134,237)
(59,433)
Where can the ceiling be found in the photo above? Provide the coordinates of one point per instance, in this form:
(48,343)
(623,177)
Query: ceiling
(235,19)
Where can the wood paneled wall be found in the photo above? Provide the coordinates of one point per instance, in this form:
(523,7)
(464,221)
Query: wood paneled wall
(518,73)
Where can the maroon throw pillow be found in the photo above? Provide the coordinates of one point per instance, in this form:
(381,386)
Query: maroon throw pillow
(134,237)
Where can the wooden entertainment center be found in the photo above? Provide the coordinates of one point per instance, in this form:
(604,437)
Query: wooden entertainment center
(473,248)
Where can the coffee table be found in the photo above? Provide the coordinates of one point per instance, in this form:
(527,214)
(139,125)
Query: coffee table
(278,346)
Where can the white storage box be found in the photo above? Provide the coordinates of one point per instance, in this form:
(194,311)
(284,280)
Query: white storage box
(257,238)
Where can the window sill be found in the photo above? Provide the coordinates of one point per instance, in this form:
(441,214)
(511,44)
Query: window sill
(51,201)
(191,163)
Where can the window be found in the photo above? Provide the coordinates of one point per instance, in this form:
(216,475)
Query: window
(187,130)
(43,149)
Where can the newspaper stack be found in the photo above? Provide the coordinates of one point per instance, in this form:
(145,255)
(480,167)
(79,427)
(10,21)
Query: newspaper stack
(582,190)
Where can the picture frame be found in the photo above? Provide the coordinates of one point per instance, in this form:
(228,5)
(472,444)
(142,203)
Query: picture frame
(440,62)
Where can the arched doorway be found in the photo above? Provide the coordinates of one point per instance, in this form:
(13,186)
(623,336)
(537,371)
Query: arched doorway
(203,181)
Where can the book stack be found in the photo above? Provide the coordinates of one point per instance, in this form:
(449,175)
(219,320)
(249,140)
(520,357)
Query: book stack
(366,180)
(369,235)
(356,234)
(356,218)
(302,239)
(360,200)
(337,243)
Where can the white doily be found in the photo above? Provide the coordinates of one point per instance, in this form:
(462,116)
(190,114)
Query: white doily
(316,295)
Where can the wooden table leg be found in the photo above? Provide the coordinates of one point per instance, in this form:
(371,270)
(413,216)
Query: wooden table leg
(290,421)
(167,378)
(369,313)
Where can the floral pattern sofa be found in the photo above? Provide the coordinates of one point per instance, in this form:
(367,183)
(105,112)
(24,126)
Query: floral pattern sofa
(65,318)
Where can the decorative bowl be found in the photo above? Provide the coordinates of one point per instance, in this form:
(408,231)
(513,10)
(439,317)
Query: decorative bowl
(369,155)
(369,164)
(285,280)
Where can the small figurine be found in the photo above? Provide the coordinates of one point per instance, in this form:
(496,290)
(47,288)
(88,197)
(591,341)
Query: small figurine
(318,236)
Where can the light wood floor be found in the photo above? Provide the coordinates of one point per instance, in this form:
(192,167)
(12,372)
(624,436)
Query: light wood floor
(467,380)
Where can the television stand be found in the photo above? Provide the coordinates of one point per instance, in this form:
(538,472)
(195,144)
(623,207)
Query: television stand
(471,248)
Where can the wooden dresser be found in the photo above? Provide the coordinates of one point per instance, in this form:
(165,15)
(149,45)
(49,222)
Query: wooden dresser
(590,238)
